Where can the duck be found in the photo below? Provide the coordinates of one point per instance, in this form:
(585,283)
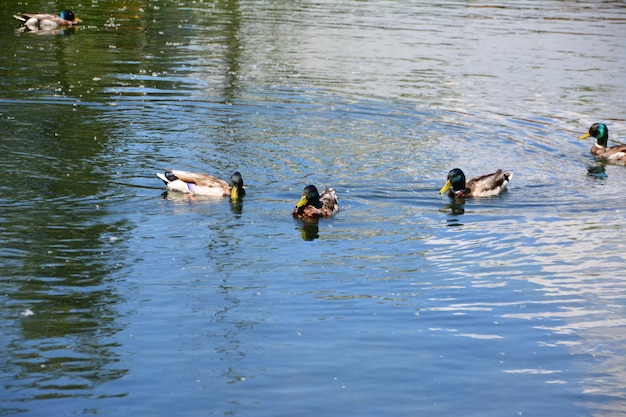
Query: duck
(615,153)
(203,184)
(488,185)
(43,21)
(314,205)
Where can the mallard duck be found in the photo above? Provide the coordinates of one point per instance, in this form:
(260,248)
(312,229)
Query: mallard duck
(487,185)
(312,205)
(36,21)
(203,184)
(615,153)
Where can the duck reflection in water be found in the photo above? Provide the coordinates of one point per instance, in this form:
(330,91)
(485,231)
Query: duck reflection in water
(456,207)
(309,229)
(62,31)
(597,171)
(236,206)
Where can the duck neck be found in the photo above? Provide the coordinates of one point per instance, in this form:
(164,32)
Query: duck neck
(459,186)
(602,136)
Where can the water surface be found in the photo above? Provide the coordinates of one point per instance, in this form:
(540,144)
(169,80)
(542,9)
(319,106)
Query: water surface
(119,298)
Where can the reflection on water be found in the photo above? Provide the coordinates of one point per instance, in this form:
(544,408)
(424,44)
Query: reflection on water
(309,228)
(58,264)
(597,171)
(62,31)
(236,206)
(139,296)
(455,208)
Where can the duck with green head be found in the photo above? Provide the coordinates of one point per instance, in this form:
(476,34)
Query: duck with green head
(600,148)
(488,185)
(43,21)
(313,205)
(203,184)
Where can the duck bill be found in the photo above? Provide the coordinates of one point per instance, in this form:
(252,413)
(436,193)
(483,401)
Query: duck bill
(585,136)
(446,187)
(234,193)
(302,202)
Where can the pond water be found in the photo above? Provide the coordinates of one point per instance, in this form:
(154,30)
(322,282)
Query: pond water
(121,299)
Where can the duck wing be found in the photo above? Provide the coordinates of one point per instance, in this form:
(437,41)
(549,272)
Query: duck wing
(489,184)
(43,19)
(202,180)
(330,204)
(613,153)
(37,16)
(195,183)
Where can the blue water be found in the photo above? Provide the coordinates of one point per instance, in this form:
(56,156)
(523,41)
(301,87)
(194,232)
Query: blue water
(119,298)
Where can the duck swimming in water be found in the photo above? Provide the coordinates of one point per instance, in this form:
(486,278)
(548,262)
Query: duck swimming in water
(487,185)
(203,184)
(312,205)
(43,21)
(601,149)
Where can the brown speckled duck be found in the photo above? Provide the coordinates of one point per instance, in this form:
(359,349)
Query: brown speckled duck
(312,205)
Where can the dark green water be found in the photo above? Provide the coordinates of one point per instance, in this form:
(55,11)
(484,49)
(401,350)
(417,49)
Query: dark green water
(119,299)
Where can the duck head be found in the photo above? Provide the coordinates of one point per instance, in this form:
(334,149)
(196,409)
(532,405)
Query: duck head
(310,197)
(455,180)
(236,186)
(598,131)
